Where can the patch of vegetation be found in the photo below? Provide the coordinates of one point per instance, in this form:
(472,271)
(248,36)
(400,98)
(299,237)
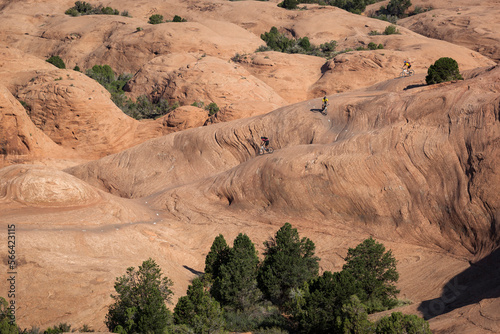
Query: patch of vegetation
(391,30)
(444,69)
(56,61)
(276,41)
(419,10)
(212,107)
(85,8)
(140,301)
(177,18)
(155,19)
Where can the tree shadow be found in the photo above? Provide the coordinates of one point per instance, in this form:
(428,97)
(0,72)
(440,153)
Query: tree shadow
(480,281)
(414,86)
(194,271)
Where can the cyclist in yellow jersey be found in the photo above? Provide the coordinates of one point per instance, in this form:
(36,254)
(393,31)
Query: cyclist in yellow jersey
(325,102)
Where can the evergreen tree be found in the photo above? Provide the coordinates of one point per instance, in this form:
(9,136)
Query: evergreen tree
(289,263)
(236,283)
(375,270)
(199,310)
(217,256)
(323,301)
(139,305)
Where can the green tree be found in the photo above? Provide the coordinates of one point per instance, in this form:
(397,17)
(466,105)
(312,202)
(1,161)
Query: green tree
(217,256)
(56,61)
(236,283)
(354,318)
(444,69)
(398,322)
(398,7)
(155,19)
(289,262)
(140,302)
(375,271)
(199,310)
(323,301)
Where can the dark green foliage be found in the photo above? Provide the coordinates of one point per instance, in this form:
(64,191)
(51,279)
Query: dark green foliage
(76,68)
(56,61)
(256,319)
(7,324)
(372,46)
(177,18)
(289,262)
(84,8)
(391,30)
(444,69)
(279,42)
(140,301)
(323,301)
(144,108)
(218,255)
(398,323)
(199,310)
(375,270)
(354,318)
(288,4)
(155,19)
(236,283)
(61,328)
(397,7)
(212,108)
(102,73)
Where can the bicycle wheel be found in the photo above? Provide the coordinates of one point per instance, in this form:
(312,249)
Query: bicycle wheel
(261,151)
(270,150)
(402,74)
(411,72)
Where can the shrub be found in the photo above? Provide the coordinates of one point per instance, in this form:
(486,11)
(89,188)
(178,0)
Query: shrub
(7,325)
(398,7)
(288,4)
(140,301)
(155,19)
(391,30)
(72,11)
(398,322)
(372,46)
(444,69)
(177,18)
(76,68)
(56,61)
(212,108)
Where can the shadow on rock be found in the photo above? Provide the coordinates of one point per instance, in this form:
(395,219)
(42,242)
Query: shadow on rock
(480,281)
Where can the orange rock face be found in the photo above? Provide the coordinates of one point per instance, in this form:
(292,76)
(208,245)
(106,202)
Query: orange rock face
(92,191)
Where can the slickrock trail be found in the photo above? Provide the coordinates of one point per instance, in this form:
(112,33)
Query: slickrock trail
(92,191)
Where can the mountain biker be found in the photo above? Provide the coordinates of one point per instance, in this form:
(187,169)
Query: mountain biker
(406,66)
(325,102)
(265,141)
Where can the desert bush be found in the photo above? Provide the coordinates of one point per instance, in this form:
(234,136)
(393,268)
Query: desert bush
(444,69)
(212,108)
(391,30)
(56,61)
(155,19)
(61,328)
(85,8)
(398,322)
(397,7)
(288,4)
(177,18)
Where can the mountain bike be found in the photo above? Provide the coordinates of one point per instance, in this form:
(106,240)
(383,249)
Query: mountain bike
(406,73)
(324,108)
(264,149)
